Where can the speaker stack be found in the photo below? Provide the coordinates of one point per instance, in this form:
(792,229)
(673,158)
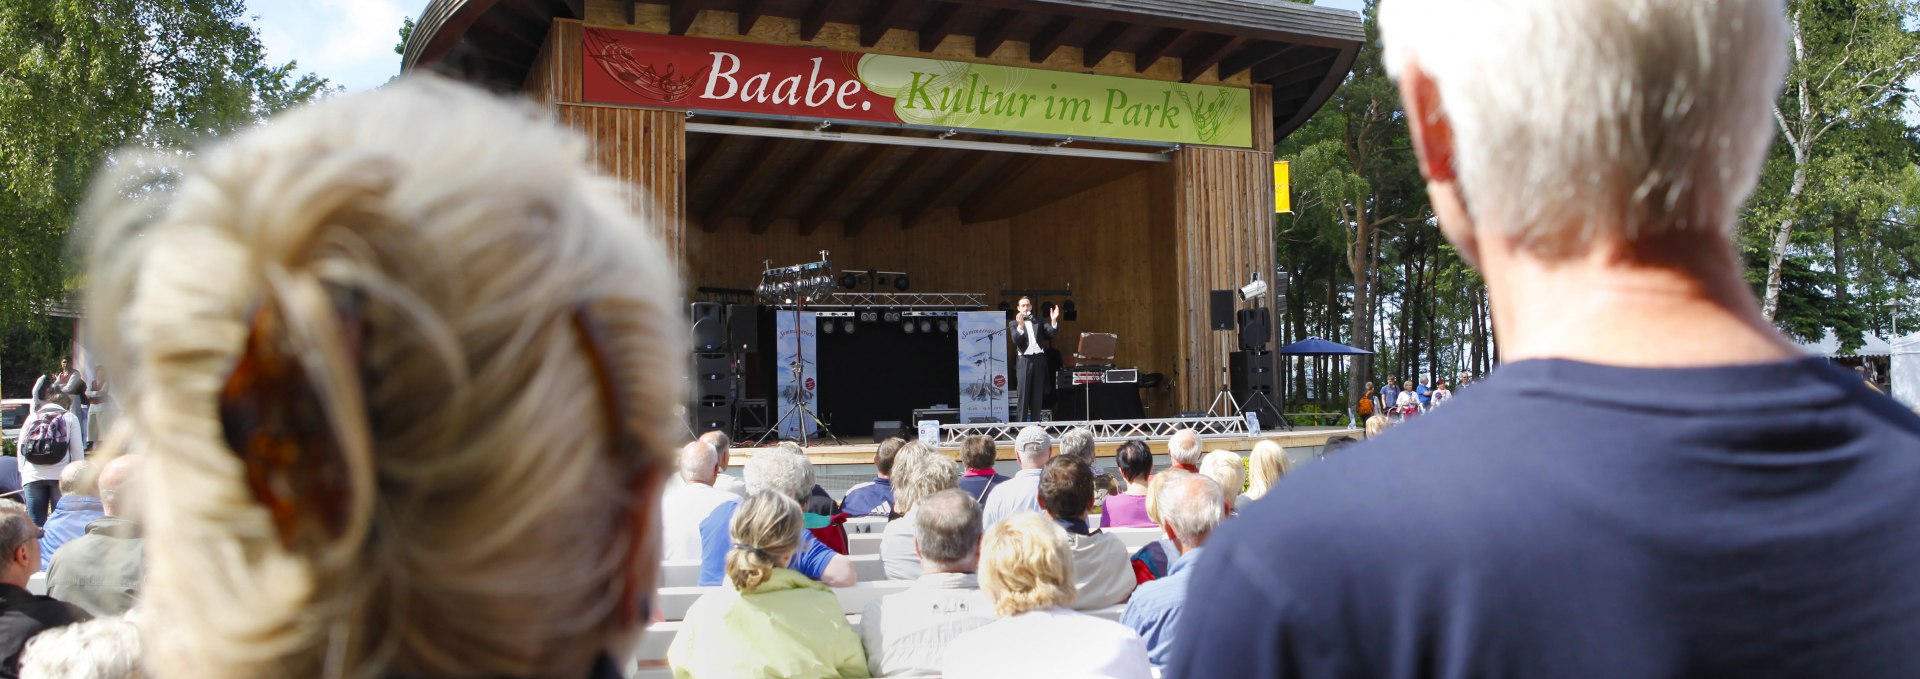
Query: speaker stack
(713,374)
(1251,377)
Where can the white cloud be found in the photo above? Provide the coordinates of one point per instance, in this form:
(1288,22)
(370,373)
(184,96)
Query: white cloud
(347,41)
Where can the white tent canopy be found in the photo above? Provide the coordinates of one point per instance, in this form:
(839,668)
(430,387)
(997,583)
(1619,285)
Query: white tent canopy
(1906,369)
(1829,346)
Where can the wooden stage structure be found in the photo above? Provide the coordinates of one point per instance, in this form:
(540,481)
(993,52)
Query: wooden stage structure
(861,452)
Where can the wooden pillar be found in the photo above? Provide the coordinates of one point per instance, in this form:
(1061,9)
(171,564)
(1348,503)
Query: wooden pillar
(1223,232)
(644,148)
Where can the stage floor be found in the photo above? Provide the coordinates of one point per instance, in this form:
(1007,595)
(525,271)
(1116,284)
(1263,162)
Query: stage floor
(860,451)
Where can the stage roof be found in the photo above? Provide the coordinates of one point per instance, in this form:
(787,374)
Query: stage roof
(1302,51)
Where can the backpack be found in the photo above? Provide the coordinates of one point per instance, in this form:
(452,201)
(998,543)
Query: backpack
(46,438)
(1365,406)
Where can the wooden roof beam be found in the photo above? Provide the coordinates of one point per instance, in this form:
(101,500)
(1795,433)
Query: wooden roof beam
(750,13)
(1207,54)
(703,163)
(1249,58)
(1003,178)
(815,19)
(1102,44)
(1316,66)
(1050,38)
(681,14)
(882,18)
(915,167)
(763,156)
(995,33)
(1156,48)
(947,186)
(577,9)
(842,185)
(814,164)
(940,24)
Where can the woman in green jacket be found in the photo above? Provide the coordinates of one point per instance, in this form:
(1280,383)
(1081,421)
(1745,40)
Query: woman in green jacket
(771,621)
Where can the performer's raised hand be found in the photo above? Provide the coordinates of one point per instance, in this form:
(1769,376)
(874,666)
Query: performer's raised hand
(1053,315)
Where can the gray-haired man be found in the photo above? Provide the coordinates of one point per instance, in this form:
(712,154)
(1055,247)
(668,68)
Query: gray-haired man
(1022,492)
(906,634)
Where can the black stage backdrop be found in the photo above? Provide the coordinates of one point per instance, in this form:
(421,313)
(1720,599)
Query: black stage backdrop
(881,372)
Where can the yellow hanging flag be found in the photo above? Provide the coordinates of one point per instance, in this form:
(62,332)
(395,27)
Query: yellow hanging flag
(1281,179)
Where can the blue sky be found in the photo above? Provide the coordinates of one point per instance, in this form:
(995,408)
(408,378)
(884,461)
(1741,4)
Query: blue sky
(351,41)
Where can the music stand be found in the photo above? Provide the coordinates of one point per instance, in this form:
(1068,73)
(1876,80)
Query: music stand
(1096,349)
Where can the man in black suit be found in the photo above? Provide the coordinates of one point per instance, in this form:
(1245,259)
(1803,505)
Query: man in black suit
(1028,334)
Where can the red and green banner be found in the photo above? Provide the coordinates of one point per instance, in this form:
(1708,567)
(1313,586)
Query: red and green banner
(725,76)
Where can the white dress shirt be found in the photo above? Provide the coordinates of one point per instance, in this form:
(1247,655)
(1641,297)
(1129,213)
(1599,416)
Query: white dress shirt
(1021,646)
(681,512)
(1033,340)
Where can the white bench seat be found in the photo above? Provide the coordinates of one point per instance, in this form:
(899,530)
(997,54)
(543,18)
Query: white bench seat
(686,573)
(676,601)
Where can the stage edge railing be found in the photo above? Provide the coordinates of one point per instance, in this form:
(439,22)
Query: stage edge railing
(1103,430)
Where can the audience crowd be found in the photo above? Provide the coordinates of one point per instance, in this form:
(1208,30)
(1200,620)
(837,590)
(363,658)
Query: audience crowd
(403,405)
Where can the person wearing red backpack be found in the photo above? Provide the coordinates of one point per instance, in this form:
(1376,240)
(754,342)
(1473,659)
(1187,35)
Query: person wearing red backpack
(47,442)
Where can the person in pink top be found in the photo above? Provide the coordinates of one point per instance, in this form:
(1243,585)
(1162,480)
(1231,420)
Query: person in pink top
(1129,509)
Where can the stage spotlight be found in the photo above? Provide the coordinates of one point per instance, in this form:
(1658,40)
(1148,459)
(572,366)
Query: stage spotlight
(1254,290)
(907,326)
(827,327)
(1004,306)
(926,325)
(900,283)
(847,327)
(944,327)
(847,281)
(1068,312)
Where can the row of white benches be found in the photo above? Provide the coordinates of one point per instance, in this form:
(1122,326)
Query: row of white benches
(864,549)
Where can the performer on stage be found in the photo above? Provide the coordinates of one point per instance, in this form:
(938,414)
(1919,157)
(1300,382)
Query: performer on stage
(1027,336)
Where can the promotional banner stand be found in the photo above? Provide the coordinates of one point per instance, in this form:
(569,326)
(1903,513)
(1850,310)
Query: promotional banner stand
(800,409)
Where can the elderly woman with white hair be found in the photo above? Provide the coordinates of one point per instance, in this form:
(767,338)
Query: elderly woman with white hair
(770,621)
(784,470)
(918,473)
(1228,469)
(405,389)
(1026,568)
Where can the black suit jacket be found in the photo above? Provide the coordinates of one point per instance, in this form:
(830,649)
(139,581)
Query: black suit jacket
(23,615)
(1040,326)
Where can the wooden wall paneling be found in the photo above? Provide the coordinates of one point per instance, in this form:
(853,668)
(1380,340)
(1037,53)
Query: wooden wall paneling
(1262,118)
(555,77)
(646,150)
(940,255)
(1223,233)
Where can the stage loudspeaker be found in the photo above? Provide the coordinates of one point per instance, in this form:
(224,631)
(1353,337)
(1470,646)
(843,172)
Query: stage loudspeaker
(708,333)
(1221,304)
(714,418)
(1256,327)
(743,328)
(712,378)
(885,429)
(1250,373)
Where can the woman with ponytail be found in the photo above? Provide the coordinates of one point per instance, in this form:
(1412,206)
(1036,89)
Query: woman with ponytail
(770,621)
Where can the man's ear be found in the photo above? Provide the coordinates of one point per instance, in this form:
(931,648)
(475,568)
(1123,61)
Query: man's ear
(1432,132)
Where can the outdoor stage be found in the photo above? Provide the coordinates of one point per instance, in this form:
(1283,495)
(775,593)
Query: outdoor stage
(860,451)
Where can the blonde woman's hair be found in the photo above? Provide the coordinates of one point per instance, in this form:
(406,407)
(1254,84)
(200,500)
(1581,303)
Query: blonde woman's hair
(491,337)
(1025,565)
(1377,424)
(918,472)
(1224,467)
(1153,490)
(765,531)
(1265,467)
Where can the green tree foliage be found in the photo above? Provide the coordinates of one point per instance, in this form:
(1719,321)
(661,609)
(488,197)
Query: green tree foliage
(81,79)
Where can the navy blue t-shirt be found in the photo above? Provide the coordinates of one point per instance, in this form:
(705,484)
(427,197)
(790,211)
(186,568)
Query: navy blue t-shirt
(1571,520)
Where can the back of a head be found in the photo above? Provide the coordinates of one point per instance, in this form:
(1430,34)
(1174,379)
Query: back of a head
(782,470)
(1192,506)
(1265,467)
(1078,443)
(765,531)
(120,485)
(1025,565)
(919,472)
(1135,459)
(1160,481)
(946,529)
(416,284)
(1033,446)
(78,479)
(16,529)
(1576,121)
(722,444)
(1377,424)
(102,648)
(1224,467)
(978,451)
(1184,447)
(699,462)
(1066,487)
(886,452)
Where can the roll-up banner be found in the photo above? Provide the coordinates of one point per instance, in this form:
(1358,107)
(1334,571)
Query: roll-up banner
(702,74)
(983,366)
(802,387)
